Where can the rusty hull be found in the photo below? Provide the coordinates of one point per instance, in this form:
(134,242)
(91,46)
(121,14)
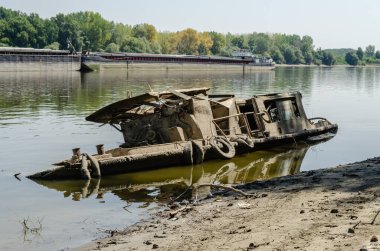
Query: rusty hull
(187,127)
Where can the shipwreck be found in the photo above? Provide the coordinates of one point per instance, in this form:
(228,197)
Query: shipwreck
(186,127)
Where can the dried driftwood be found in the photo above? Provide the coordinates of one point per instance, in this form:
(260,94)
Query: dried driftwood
(227,188)
(374,219)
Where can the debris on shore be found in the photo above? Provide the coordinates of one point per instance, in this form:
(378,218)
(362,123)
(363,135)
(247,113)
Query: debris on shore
(334,208)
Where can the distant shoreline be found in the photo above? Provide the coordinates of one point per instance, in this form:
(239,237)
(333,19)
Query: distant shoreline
(328,66)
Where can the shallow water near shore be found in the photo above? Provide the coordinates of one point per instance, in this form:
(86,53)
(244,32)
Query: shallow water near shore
(42,119)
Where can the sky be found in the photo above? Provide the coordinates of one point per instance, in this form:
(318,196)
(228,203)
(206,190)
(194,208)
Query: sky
(331,23)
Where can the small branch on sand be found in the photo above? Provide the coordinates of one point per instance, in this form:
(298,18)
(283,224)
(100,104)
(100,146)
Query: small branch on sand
(373,221)
(126,207)
(357,224)
(182,209)
(228,188)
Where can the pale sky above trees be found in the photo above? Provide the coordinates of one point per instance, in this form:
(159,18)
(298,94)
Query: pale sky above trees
(331,23)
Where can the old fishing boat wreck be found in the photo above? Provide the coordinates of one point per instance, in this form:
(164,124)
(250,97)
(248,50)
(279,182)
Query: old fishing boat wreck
(189,126)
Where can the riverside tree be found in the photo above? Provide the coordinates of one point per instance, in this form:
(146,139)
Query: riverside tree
(328,58)
(218,42)
(187,41)
(377,54)
(352,58)
(360,53)
(370,51)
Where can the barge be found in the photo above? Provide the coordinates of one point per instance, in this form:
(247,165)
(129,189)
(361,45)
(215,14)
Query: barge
(29,59)
(186,127)
(246,63)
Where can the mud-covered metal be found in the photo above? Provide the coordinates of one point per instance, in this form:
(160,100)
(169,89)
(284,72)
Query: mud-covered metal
(185,127)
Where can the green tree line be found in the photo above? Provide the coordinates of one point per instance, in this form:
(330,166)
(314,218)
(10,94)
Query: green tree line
(90,31)
(363,57)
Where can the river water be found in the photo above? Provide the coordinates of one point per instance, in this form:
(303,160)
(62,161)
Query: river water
(42,119)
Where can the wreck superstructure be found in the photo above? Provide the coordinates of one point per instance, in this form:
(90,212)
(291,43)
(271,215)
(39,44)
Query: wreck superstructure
(188,127)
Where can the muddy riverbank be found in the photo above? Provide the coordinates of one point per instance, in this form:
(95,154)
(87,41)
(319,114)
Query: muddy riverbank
(335,208)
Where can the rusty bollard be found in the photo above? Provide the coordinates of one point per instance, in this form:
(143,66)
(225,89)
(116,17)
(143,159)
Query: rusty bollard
(76,152)
(100,149)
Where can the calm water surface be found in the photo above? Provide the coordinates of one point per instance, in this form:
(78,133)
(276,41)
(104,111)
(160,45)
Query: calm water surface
(42,119)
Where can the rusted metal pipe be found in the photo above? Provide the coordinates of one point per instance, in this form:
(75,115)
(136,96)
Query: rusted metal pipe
(100,149)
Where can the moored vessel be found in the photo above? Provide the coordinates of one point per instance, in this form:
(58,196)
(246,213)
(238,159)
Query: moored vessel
(29,59)
(96,61)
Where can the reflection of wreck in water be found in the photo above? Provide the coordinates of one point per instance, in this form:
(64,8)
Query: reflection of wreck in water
(163,184)
(189,126)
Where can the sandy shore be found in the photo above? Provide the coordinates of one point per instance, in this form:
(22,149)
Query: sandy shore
(327,209)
